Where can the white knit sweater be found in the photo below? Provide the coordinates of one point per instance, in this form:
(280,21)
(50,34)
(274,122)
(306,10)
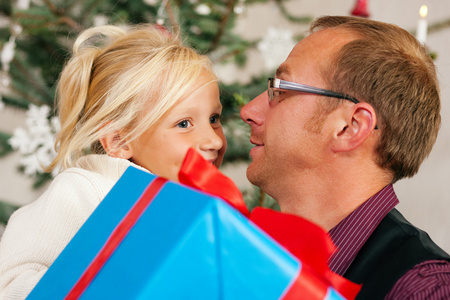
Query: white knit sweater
(37,233)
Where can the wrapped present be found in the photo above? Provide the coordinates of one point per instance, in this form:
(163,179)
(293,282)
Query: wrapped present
(155,239)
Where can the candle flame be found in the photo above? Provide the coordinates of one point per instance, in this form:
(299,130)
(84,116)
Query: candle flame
(423,11)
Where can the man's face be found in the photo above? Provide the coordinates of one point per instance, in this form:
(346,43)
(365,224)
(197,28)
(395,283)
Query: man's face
(288,135)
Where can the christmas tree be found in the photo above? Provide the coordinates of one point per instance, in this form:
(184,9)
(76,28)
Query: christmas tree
(36,40)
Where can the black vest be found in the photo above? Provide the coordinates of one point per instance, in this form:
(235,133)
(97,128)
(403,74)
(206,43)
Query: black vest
(394,247)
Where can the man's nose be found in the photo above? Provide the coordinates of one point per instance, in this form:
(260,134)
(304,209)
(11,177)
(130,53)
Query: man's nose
(253,113)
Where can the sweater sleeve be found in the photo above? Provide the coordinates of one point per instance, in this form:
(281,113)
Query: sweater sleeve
(37,233)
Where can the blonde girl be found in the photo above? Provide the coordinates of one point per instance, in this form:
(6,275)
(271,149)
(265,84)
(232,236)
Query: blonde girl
(127,97)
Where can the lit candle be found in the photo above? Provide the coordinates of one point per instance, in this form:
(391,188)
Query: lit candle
(421,33)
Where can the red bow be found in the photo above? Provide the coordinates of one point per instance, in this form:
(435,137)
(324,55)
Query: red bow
(307,241)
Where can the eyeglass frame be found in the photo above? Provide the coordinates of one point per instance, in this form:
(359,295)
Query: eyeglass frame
(298,87)
(275,83)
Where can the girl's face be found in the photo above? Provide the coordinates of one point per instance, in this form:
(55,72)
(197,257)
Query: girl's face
(192,123)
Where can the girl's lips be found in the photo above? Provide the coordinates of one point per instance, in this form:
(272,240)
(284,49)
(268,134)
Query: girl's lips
(212,160)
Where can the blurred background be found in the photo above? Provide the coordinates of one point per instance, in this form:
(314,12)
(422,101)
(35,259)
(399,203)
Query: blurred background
(246,40)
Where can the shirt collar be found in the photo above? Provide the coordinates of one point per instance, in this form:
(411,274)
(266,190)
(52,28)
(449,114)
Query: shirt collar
(353,231)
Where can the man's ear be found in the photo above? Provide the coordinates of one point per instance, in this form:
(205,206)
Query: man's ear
(114,145)
(360,120)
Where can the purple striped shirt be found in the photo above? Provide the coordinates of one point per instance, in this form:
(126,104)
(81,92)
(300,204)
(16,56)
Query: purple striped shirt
(427,280)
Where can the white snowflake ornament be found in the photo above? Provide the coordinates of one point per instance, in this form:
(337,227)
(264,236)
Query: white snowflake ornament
(21,141)
(203,9)
(275,47)
(100,20)
(36,143)
(7,54)
(23,4)
(151,2)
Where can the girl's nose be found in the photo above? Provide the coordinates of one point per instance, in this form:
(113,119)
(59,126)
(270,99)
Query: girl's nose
(211,140)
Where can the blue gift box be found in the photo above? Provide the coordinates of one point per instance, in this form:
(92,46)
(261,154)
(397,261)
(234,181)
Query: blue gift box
(185,245)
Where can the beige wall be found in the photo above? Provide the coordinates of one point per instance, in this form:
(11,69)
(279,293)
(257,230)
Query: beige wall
(425,199)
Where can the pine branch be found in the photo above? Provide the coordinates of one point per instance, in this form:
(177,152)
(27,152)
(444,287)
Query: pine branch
(63,17)
(70,22)
(15,102)
(5,147)
(222,24)
(254,197)
(30,80)
(262,195)
(87,13)
(438,26)
(6,211)
(45,19)
(68,4)
(53,8)
(235,52)
(434,27)
(287,15)
(28,98)
(172,19)
(27,17)
(41,179)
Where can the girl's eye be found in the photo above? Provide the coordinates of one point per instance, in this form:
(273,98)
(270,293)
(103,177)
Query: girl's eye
(184,124)
(214,119)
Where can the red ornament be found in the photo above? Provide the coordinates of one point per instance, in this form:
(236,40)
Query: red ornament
(162,28)
(360,9)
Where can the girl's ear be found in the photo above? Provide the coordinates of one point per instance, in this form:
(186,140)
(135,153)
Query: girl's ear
(114,146)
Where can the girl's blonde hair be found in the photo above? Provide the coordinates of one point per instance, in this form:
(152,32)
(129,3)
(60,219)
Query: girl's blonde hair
(120,80)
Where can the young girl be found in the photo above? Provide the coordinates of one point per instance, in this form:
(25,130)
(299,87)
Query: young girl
(130,98)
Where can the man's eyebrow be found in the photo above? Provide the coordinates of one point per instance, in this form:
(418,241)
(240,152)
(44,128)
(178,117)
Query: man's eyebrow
(282,70)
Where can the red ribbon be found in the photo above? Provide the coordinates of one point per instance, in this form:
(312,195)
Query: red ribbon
(307,285)
(307,241)
(116,237)
(202,175)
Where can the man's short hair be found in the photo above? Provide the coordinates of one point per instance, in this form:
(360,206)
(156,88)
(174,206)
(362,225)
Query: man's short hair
(388,68)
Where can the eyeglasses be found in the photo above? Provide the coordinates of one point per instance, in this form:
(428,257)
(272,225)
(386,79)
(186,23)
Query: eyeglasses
(275,83)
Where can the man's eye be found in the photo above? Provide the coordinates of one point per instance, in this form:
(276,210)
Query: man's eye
(277,93)
(184,124)
(214,119)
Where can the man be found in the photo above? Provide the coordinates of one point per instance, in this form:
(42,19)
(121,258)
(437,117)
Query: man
(330,151)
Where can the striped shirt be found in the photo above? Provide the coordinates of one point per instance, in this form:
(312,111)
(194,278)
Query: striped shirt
(427,280)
